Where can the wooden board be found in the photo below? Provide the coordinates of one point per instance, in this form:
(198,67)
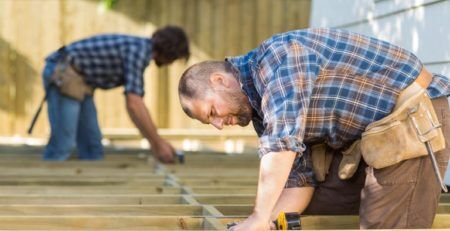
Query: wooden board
(57,190)
(99,199)
(101,210)
(205,194)
(100,223)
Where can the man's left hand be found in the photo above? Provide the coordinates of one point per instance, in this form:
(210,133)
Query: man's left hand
(252,223)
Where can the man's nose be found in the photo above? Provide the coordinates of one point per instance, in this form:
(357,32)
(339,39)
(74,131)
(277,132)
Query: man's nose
(218,123)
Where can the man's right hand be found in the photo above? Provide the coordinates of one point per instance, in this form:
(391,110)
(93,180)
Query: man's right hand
(141,118)
(163,151)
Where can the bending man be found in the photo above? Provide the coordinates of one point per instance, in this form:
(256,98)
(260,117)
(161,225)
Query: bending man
(319,89)
(105,61)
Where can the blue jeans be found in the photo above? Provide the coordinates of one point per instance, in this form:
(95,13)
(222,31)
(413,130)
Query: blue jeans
(71,122)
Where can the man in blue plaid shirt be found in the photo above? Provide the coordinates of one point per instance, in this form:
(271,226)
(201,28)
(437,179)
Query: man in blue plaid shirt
(107,61)
(314,86)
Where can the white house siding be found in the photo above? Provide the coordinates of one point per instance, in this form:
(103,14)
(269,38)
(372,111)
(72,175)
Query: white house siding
(421,26)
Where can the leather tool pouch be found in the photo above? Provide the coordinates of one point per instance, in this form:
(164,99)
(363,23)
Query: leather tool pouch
(69,81)
(401,135)
(321,160)
(350,161)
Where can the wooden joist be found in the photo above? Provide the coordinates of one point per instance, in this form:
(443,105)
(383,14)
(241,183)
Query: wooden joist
(102,210)
(58,190)
(101,223)
(99,199)
(441,221)
(128,192)
(169,222)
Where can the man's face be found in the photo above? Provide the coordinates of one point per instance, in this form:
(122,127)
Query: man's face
(225,107)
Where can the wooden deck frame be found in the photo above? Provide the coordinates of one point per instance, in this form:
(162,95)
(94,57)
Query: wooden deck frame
(126,195)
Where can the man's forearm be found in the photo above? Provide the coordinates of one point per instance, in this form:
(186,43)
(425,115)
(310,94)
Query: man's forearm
(274,172)
(141,118)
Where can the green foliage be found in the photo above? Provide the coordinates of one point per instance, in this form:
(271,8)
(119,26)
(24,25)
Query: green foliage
(109,4)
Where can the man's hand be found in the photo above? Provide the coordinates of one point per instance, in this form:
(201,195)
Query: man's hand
(253,223)
(164,151)
(139,115)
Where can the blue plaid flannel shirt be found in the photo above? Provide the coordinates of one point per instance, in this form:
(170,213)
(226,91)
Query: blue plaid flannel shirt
(323,84)
(111,60)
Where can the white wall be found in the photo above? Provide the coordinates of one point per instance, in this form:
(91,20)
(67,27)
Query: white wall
(421,26)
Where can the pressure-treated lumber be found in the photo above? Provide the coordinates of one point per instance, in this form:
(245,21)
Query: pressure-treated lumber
(105,210)
(204,194)
(441,221)
(223,190)
(225,199)
(98,199)
(57,190)
(168,222)
(85,182)
(101,223)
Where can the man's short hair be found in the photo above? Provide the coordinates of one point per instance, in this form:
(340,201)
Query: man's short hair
(195,80)
(171,42)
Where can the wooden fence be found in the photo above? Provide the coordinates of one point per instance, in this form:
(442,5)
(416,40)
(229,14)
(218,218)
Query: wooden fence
(29,30)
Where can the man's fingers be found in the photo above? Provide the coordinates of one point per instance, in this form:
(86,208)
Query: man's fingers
(166,158)
(272,226)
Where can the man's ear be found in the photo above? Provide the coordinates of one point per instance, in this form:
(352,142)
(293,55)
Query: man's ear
(218,79)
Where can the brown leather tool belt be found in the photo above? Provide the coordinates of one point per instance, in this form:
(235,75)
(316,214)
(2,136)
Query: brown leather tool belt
(402,134)
(70,81)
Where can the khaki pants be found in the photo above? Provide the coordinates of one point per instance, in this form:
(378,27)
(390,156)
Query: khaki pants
(405,195)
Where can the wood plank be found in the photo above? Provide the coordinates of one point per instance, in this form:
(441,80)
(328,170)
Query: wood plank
(223,190)
(200,175)
(22,153)
(445,197)
(77,164)
(209,210)
(235,210)
(154,177)
(444,208)
(210,223)
(101,210)
(73,172)
(217,182)
(87,182)
(101,223)
(215,177)
(225,199)
(167,223)
(218,172)
(87,190)
(442,221)
(99,199)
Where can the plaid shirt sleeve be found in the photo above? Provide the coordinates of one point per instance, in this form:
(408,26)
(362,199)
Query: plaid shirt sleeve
(289,72)
(134,68)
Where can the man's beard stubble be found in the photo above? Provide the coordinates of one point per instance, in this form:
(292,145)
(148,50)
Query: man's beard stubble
(240,107)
